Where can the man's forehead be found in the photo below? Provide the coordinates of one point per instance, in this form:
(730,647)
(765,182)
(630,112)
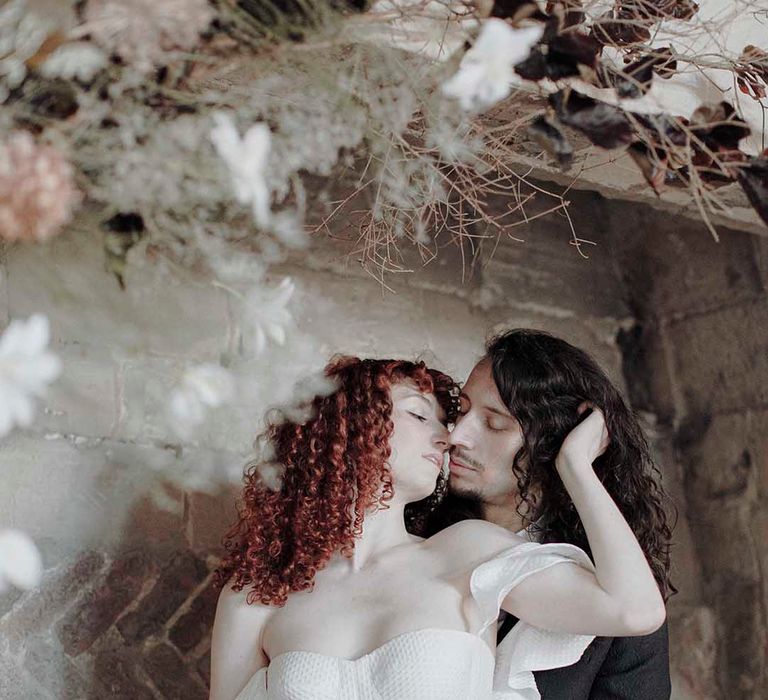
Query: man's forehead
(481,391)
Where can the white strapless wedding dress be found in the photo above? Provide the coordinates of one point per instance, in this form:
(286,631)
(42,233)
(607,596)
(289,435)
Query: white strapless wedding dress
(439,664)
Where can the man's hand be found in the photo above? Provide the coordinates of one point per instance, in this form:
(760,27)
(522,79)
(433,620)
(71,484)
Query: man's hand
(586,442)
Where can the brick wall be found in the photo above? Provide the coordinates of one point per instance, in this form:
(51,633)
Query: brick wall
(702,307)
(109,494)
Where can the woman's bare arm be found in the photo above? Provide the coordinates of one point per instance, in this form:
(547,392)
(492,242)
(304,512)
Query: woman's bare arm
(236,650)
(622,598)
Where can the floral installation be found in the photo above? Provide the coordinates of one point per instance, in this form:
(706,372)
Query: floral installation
(37,190)
(201,388)
(27,367)
(246,160)
(266,314)
(142,32)
(20,562)
(389,116)
(486,75)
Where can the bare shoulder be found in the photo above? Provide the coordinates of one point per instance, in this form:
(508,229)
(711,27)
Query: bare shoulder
(233,608)
(470,542)
(236,644)
(238,621)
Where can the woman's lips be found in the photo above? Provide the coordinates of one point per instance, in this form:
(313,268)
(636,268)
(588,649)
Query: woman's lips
(435,458)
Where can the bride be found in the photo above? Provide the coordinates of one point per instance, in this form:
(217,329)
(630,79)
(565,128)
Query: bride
(326,595)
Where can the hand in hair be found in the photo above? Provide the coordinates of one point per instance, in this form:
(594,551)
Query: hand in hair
(586,442)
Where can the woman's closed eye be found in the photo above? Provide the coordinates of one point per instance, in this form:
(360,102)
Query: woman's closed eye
(418,416)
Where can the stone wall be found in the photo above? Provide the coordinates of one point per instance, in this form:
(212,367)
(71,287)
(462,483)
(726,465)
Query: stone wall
(129,541)
(702,366)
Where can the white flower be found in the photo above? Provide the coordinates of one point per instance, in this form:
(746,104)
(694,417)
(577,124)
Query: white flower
(79,60)
(485,74)
(271,475)
(20,562)
(246,159)
(26,368)
(22,33)
(202,387)
(267,315)
(430,28)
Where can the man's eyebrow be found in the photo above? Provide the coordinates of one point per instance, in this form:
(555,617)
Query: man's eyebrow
(490,409)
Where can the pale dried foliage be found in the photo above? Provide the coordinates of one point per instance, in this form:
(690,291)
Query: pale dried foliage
(363,144)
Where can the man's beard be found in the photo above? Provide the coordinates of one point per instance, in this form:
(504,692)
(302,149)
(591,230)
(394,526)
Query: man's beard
(468,494)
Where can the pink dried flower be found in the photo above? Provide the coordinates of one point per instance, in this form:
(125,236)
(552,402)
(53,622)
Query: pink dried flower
(37,192)
(140,31)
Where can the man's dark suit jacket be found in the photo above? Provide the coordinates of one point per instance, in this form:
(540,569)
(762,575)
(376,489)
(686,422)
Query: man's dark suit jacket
(611,668)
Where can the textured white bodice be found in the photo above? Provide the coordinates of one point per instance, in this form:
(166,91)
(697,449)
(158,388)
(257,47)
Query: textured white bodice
(439,664)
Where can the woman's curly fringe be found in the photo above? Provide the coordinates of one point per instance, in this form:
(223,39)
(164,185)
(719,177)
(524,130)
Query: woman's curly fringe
(334,471)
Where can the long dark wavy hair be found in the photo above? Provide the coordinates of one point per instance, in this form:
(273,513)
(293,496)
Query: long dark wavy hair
(543,380)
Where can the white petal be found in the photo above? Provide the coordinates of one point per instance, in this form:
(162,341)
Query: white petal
(186,408)
(261,339)
(485,75)
(212,384)
(276,332)
(20,562)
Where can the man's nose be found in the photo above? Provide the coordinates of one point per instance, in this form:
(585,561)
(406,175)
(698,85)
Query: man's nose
(461,435)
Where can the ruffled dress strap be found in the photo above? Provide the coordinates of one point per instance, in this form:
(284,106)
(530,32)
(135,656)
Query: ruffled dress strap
(526,648)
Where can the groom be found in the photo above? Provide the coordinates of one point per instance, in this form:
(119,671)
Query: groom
(517,406)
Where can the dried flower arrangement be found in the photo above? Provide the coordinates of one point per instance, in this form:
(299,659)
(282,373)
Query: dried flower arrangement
(405,103)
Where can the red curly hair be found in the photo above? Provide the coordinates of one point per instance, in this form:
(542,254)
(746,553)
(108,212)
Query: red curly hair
(335,470)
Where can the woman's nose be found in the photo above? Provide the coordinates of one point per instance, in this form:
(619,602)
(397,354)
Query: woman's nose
(440,438)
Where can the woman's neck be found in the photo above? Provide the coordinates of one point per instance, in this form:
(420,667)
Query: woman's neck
(382,530)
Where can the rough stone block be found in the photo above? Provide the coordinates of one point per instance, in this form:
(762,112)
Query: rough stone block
(178,578)
(679,269)
(15,682)
(195,624)
(170,675)
(715,527)
(760,245)
(83,400)
(725,457)
(720,359)
(100,607)
(147,386)
(742,633)
(204,668)
(545,272)
(117,674)
(4,318)
(208,518)
(733,587)
(693,652)
(445,266)
(36,610)
(8,599)
(54,671)
(154,520)
(363,318)
(156,313)
(107,486)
